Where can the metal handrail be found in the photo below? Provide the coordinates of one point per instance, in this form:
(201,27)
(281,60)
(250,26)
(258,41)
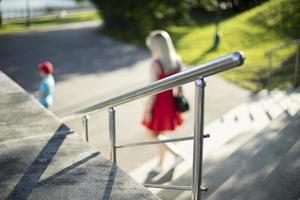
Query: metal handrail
(210,68)
(271,51)
(156,142)
(171,187)
(196,74)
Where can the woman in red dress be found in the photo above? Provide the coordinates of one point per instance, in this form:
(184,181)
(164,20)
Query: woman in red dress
(161,114)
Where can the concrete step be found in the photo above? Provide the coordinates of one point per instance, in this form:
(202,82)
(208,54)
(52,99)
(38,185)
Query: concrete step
(250,169)
(265,166)
(230,133)
(41,158)
(284,181)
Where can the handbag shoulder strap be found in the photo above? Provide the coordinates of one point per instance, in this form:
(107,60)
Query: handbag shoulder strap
(178,64)
(161,67)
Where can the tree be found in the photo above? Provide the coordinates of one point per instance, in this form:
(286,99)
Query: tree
(236,5)
(139,17)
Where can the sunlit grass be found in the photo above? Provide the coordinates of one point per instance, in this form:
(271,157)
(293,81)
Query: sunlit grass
(242,32)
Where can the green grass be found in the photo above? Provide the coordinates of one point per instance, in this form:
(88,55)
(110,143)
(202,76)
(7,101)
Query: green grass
(254,32)
(49,21)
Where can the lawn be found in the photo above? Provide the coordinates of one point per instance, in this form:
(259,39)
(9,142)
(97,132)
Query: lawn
(254,32)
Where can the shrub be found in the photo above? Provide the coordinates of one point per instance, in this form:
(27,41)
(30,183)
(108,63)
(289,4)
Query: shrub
(136,17)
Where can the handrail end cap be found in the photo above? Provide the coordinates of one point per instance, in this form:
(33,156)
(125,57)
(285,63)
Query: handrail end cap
(240,57)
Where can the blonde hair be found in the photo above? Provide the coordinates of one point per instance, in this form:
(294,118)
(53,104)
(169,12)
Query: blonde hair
(161,46)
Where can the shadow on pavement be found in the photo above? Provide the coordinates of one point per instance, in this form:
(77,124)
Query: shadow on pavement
(66,170)
(155,178)
(80,51)
(250,166)
(31,177)
(110,183)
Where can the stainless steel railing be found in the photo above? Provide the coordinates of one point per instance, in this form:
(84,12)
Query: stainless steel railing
(197,74)
(210,68)
(271,51)
(270,55)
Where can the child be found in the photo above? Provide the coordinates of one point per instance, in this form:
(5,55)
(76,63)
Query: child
(161,113)
(47,84)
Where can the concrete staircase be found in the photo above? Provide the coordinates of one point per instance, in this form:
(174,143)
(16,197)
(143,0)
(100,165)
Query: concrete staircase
(42,158)
(253,152)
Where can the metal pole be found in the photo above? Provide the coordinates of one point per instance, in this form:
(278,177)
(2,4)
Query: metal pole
(296,68)
(28,13)
(218,32)
(270,69)
(200,84)
(1,20)
(85,124)
(112,133)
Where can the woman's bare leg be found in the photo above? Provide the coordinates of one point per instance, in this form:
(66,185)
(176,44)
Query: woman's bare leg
(170,146)
(161,148)
(162,153)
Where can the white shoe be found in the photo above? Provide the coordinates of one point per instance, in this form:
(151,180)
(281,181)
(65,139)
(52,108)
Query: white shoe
(177,160)
(157,169)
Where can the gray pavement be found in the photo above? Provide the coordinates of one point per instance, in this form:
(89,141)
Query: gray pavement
(269,171)
(252,157)
(42,158)
(265,167)
(91,67)
(75,50)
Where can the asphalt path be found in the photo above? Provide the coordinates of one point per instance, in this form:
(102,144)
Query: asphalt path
(90,67)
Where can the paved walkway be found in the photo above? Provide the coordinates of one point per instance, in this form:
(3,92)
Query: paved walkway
(91,67)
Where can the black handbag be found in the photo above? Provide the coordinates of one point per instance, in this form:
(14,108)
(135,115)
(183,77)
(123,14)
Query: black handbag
(181,103)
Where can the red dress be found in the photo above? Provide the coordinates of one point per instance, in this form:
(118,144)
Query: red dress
(164,116)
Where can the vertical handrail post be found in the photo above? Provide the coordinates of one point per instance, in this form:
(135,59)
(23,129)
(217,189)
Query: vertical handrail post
(28,13)
(1,19)
(85,125)
(296,67)
(200,84)
(112,133)
(270,69)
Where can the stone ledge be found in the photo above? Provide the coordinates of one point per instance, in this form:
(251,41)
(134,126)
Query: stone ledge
(41,158)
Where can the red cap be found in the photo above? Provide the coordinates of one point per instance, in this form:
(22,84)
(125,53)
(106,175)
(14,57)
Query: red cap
(46,67)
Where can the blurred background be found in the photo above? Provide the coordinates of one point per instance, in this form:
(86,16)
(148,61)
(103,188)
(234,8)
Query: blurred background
(98,50)
(14,9)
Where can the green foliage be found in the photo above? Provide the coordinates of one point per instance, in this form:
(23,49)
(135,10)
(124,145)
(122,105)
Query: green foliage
(282,17)
(236,5)
(254,32)
(138,18)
